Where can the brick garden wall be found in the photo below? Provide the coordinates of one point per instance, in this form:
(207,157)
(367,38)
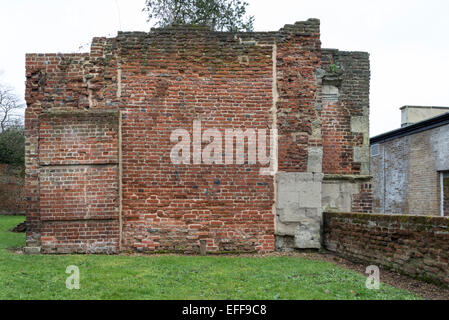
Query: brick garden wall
(12,180)
(414,245)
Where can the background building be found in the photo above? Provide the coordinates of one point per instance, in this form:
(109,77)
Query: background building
(410,165)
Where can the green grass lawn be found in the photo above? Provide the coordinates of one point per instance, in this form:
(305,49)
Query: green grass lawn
(175,277)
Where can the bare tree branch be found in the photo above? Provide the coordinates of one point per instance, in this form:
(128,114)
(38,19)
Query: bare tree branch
(8,103)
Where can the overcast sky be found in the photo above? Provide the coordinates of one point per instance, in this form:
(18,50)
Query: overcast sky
(408,40)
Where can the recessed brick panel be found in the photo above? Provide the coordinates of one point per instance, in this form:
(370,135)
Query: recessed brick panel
(78,138)
(79,193)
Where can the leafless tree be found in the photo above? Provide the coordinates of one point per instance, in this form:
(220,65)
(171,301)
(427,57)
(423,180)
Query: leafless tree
(8,103)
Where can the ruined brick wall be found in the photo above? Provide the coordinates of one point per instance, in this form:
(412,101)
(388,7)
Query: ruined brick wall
(363,200)
(345,115)
(345,129)
(406,172)
(336,173)
(413,245)
(12,181)
(99,176)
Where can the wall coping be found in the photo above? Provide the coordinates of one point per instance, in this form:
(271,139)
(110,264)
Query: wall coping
(391,217)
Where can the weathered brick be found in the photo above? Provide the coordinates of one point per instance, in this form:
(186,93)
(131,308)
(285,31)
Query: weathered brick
(98,130)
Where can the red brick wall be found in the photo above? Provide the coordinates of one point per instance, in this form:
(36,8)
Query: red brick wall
(298,90)
(53,80)
(11,189)
(161,82)
(79,193)
(363,201)
(84,170)
(167,84)
(414,245)
(337,141)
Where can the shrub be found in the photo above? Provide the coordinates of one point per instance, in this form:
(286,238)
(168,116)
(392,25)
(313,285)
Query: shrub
(12,146)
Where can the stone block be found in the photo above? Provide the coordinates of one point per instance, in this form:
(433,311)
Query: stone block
(286,229)
(308,236)
(315,159)
(359,124)
(298,206)
(32,250)
(291,213)
(310,195)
